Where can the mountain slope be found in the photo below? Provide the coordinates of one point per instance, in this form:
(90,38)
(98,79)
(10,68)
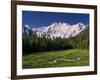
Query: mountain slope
(33,43)
(81,40)
(63,30)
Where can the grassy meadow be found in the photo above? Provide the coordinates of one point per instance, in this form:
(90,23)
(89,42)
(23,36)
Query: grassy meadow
(60,58)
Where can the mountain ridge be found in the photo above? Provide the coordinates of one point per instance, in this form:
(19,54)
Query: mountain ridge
(61,29)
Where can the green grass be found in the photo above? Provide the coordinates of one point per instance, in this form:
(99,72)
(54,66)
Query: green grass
(80,57)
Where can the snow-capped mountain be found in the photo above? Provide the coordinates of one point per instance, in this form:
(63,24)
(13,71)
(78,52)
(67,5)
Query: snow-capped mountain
(63,30)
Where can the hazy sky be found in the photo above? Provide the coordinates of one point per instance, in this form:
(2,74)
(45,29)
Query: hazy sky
(39,19)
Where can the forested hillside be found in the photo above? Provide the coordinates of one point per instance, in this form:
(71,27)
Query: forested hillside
(81,40)
(33,43)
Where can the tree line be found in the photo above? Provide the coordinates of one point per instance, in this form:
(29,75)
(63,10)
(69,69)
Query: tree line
(33,43)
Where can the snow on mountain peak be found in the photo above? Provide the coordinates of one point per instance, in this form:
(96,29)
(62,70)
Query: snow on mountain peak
(60,24)
(63,30)
(81,25)
(27,26)
(26,29)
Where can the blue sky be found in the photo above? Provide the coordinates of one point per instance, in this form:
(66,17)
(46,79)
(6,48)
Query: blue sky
(39,19)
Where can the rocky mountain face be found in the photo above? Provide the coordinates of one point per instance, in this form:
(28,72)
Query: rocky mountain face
(63,30)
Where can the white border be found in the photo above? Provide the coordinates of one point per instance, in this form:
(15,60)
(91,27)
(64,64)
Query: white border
(21,71)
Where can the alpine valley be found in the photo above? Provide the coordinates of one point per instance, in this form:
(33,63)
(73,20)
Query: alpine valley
(56,45)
